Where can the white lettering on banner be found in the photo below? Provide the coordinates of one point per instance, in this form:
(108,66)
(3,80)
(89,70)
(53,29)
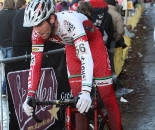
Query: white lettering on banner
(44,94)
(21,93)
(66,95)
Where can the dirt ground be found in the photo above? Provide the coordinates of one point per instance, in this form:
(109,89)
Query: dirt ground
(139,74)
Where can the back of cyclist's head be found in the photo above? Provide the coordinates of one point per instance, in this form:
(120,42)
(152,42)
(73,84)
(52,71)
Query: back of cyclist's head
(37,11)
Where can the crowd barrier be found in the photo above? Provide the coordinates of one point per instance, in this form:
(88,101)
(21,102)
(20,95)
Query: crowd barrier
(118,60)
(133,20)
(127,41)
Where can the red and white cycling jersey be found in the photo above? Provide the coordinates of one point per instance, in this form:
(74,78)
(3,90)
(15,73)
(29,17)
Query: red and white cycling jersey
(84,48)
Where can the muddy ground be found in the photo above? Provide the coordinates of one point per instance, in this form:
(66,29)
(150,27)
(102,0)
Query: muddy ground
(139,74)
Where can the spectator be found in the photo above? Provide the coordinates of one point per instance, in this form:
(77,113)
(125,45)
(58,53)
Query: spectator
(85,8)
(135,2)
(119,8)
(98,14)
(117,20)
(101,7)
(1,5)
(20,4)
(128,31)
(118,41)
(62,5)
(6,19)
(21,36)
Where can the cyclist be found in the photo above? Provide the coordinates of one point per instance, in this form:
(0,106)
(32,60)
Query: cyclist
(86,56)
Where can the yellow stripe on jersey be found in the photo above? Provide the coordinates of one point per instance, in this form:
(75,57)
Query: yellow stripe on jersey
(37,48)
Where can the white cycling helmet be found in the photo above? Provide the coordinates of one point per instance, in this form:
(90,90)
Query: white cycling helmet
(37,11)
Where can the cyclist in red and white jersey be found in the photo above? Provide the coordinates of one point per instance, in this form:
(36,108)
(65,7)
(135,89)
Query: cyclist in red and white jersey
(86,56)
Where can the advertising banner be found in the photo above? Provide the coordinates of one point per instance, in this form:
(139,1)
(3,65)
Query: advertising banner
(53,85)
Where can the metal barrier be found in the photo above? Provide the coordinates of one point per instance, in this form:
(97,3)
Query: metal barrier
(3,101)
(29,56)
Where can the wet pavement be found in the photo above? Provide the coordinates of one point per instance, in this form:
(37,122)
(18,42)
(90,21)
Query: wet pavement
(139,112)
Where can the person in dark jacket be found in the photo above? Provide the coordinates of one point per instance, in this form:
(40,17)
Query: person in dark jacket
(117,21)
(21,36)
(6,19)
(99,16)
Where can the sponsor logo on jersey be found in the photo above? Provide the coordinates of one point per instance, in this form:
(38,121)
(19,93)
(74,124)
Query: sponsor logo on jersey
(69,26)
(37,49)
(103,82)
(89,28)
(63,35)
(83,68)
(68,40)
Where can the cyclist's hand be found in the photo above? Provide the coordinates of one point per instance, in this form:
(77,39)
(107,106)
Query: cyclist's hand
(28,105)
(84,102)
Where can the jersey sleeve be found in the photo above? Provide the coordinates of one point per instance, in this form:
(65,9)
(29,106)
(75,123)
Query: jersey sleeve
(36,61)
(83,52)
